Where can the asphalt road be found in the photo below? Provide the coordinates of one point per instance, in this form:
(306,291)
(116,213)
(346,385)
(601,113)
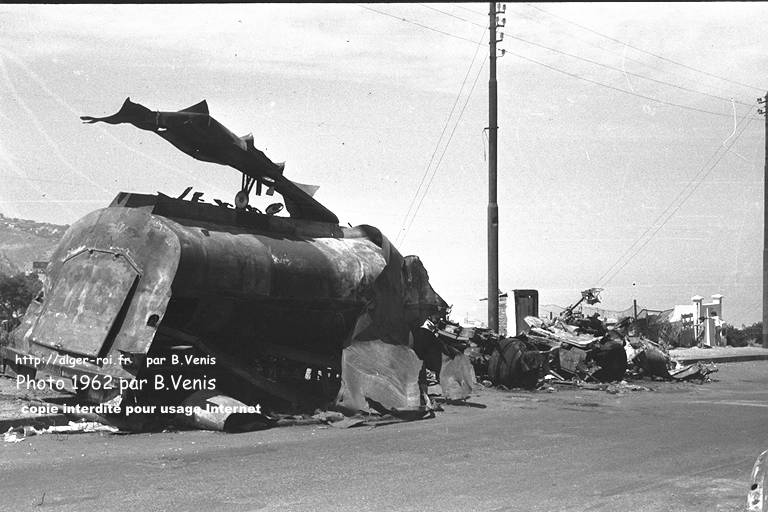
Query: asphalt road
(682,447)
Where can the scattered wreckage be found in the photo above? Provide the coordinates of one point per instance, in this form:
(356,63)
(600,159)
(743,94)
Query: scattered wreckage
(573,349)
(157,300)
(18,434)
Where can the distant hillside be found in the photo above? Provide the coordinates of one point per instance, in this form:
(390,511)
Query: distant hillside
(24,241)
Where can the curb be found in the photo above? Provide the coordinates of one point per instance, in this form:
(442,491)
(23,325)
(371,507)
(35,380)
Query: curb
(722,359)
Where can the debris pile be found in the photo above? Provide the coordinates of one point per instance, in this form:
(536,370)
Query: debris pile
(647,358)
(574,349)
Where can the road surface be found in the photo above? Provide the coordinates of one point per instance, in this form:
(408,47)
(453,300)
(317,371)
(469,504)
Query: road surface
(682,447)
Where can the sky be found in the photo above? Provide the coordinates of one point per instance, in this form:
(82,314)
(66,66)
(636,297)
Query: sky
(630,152)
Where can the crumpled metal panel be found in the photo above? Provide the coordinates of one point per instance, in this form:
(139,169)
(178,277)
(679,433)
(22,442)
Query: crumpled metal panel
(379,372)
(120,239)
(456,377)
(402,297)
(213,411)
(152,246)
(195,132)
(90,289)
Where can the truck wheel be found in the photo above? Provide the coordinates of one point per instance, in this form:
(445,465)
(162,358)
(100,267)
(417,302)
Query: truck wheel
(508,366)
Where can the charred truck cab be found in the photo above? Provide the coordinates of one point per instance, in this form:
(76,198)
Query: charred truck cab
(160,296)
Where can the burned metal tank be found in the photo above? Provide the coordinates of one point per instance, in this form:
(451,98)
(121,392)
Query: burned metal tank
(154,285)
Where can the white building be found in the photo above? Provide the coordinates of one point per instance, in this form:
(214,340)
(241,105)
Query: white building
(705,318)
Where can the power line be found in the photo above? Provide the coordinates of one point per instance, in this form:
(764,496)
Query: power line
(472,11)
(695,182)
(540,23)
(454,16)
(761,89)
(437,166)
(590,43)
(622,55)
(439,140)
(661,215)
(619,89)
(404,229)
(573,75)
(680,205)
(623,71)
(605,65)
(406,20)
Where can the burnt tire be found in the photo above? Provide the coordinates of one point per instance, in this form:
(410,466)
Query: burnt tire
(612,359)
(510,365)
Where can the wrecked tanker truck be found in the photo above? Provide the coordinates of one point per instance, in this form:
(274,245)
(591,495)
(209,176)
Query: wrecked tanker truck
(155,297)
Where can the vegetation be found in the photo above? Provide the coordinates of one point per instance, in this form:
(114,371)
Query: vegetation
(746,335)
(16,292)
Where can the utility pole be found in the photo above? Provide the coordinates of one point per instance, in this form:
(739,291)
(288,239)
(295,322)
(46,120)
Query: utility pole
(493,207)
(764,102)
